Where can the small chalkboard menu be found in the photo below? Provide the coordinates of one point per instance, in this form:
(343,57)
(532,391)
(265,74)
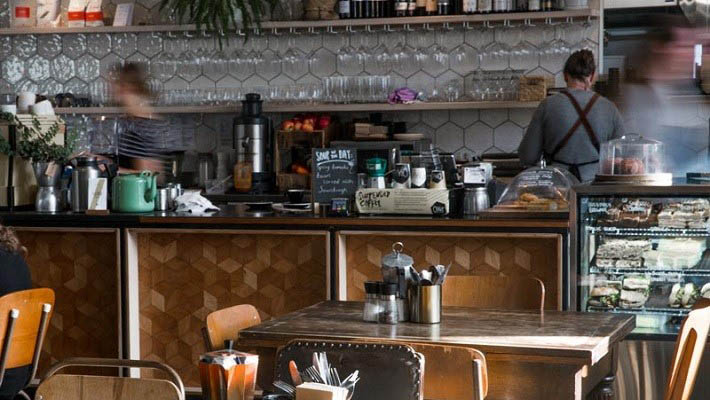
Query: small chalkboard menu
(334,174)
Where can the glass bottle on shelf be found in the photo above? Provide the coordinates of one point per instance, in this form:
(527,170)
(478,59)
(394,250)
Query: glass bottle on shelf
(431,7)
(469,6)
(533,5)
(420,7)
(411,8)
(443,7)
(500,6)
(485,6)
(367,10)
(400,8)
(356,7)
(344,9)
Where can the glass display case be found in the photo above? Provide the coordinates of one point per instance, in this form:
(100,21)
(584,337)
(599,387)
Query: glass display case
(633,158)
(641,250)
(540,188)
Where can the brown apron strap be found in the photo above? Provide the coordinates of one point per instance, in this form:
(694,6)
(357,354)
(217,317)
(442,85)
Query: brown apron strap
(582,120)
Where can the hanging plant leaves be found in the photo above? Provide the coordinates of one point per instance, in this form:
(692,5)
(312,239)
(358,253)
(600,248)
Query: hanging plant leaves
(220,15)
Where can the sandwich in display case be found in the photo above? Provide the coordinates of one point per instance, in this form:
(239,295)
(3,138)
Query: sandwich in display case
(641,250)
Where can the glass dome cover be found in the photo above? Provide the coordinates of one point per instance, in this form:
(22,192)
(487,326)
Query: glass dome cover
(541,188)
(632,155)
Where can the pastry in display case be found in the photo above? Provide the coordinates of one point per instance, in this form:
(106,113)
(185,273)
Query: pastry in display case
(633,159)
(540,188)
(641,250)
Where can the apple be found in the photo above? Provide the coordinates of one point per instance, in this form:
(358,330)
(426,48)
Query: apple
(287,125)
(298,125)
(307,127)
(323,122)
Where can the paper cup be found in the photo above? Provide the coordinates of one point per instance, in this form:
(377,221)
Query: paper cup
(44,107)
(24,101)
(9,108)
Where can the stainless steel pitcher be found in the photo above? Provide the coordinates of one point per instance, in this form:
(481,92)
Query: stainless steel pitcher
(228,375)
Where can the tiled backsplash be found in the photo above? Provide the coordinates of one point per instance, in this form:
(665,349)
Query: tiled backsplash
(72,62)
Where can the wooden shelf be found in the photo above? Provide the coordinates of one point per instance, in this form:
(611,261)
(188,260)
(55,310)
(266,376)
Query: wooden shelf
(276,108)
(445,19)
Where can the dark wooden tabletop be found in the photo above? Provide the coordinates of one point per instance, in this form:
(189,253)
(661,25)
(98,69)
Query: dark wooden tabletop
(581,337)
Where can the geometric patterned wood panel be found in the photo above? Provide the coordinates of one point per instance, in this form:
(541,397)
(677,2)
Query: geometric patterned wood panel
(81,268)
(470,255)
(184,277)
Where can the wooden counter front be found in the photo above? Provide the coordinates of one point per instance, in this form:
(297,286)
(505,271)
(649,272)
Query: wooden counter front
(182,276)
(82,266)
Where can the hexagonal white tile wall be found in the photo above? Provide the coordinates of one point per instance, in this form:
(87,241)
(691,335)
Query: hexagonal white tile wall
(88,68)
(24,46)
(13,69)
(507,137)
(49,46)
(69,55)
(150,44)
(449,137)
(37,69)
(478,137)
(73,46)
(98,44)
(493,118)
(124,44)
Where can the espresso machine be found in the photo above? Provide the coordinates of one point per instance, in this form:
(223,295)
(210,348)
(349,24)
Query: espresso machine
(253,141)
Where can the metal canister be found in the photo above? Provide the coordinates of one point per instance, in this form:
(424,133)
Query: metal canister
(228,375)
(425,304)
(162,200)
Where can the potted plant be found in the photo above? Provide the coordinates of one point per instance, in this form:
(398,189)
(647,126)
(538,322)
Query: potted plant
(38,146)
(220,15)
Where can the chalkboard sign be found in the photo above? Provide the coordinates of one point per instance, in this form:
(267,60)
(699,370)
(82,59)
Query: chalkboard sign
(334,174)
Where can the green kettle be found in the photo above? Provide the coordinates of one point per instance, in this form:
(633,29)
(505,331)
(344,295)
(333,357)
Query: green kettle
(134,193)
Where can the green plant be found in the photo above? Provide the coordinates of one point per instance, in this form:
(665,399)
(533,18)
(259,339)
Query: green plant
(35,145)
(219,15)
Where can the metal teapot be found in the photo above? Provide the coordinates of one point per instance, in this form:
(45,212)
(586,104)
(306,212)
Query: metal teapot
(134,193)
(228,375)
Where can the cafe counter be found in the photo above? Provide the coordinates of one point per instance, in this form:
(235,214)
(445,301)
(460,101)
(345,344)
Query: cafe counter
(141,285)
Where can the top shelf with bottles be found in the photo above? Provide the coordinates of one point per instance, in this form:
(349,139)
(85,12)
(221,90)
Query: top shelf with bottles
(330,24)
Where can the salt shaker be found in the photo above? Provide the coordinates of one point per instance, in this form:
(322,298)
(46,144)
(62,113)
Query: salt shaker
(371,310)
(388,303)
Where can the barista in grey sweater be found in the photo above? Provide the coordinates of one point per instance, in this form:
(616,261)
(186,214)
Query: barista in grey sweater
(568,128)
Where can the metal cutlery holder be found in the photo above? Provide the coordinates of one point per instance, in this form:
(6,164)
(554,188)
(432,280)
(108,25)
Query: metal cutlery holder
(425,304)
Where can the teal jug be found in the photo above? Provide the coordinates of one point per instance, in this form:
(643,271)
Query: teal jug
(134,193)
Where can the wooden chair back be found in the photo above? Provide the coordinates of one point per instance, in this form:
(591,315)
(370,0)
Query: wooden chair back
(688,353)
(494,292)
(24,319)
(91,387)
(453,373)
(388,371)
(226,323)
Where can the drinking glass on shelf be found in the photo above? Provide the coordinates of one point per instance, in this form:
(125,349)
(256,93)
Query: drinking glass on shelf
(295,63)
(348,62)
(453,90)
(188,68)
(421,54)
(404,58)
(239,65)
(99,92)
(439,57)
(216,65)
(381,60)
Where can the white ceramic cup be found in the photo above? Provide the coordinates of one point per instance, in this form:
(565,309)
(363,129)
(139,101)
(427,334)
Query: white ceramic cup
(418,177)
(44,107)
(9,108)
(437,180)
(24,101)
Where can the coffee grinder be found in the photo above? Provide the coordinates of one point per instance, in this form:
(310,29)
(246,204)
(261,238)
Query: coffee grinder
(252,136)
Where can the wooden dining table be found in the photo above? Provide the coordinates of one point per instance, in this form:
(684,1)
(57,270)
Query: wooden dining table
(556,355)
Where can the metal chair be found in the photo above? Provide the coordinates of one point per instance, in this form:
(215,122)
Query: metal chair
(389,371)
(225,324)
(24,318)
(93,387)
(689,352)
